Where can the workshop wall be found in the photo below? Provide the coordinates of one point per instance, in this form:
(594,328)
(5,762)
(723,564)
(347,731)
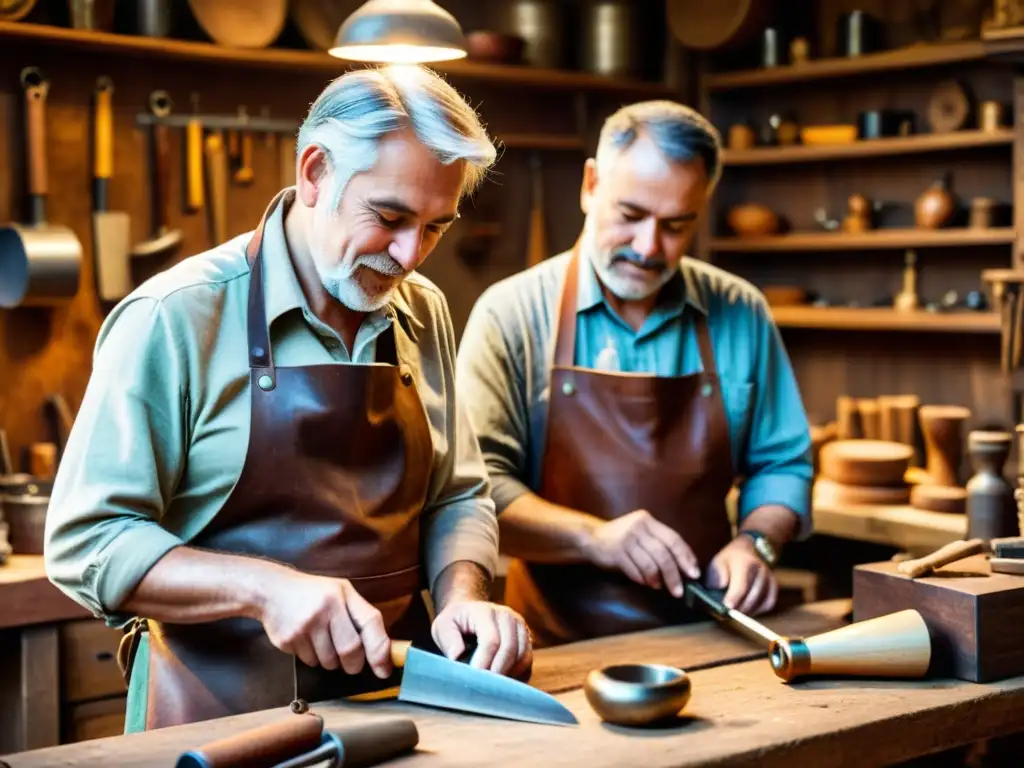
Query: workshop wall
(47,351)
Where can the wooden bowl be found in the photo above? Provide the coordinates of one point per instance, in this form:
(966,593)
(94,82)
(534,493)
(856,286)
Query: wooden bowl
(830,492)
(495,47)
(637,694)
(752,220)
(949,499)
(872,463)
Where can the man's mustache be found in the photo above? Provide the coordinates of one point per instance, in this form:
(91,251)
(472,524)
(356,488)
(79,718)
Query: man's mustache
(382,263)
(630,256)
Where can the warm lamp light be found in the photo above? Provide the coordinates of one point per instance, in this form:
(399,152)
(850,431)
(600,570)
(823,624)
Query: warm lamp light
(400,32)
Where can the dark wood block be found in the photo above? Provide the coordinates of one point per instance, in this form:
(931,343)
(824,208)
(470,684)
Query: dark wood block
(975,617)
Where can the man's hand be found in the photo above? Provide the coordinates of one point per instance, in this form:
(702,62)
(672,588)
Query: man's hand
(751,586)
(646,550)
(503,643)
(324,622)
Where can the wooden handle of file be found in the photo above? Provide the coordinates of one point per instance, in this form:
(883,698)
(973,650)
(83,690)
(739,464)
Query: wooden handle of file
(264,746)
(950,553)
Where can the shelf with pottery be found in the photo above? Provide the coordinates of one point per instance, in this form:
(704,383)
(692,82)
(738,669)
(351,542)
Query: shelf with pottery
(918,56)
(885,319)
(313,61)
(875,239)
(862,148)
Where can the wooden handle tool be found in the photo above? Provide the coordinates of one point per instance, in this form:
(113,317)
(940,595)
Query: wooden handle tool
(217,169)
(261,747)
(103,132)
(194,196)
(37,89)
(950,553)
(244,172)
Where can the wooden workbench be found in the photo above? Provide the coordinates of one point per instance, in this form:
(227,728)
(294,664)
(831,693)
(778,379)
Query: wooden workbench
(740,714)
(54,660)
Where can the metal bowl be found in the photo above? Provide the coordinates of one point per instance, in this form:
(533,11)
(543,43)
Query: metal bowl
(637,694)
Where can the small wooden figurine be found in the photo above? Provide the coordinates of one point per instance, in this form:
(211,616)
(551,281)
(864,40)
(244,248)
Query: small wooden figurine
(859,217)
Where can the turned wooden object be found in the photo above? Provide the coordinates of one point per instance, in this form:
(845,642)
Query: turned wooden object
(897,417)
(942,429)
(258,747)
(895,645)
(869,418)
(847,418)
(42,460)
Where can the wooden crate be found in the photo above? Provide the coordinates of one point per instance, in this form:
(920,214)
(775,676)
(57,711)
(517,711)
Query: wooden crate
(975,617)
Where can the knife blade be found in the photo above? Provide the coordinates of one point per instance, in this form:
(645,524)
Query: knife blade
(428,678)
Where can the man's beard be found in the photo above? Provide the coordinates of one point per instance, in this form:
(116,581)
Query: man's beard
(366,286)
(631,286)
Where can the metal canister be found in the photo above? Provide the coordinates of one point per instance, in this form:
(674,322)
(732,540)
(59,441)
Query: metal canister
(609,43)
(541,24)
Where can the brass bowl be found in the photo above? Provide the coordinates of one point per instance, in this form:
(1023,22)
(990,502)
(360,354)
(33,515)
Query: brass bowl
(637,694)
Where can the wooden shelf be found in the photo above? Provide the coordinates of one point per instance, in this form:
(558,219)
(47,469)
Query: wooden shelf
(313,61)
(911,57)
(879,239)
(885,319)
(541,141)
(904,145)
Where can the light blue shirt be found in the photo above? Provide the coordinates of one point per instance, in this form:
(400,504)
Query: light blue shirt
(507,348)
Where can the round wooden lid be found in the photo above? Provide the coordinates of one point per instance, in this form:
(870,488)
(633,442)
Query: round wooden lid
(868,450)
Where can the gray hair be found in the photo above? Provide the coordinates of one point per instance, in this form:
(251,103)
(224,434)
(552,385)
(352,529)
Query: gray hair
(358,109)
(679,132)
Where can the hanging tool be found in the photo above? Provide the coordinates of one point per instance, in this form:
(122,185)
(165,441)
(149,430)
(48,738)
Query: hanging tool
(163,238)
(269,137)
(537,248)
(40,264)
(244,172)
(111,229)
(434,680)
(217,173)
(194,159)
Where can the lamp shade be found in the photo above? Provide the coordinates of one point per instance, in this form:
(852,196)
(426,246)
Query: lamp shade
(400,32)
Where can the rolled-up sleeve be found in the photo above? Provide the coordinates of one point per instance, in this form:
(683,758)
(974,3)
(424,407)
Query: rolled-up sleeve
(459,520)
(492,383)
(776,461)
(122,461)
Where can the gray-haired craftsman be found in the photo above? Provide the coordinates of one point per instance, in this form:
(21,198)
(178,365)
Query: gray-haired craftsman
(619,390)
(269,460)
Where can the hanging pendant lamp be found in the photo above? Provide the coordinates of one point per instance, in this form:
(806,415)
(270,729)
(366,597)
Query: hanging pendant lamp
(400,32)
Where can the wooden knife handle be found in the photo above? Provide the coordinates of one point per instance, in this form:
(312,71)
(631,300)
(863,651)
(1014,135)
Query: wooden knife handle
(950,553)
(259,747)
(36,91)
(103,130)
(194,164)
(399,650)
(375,743)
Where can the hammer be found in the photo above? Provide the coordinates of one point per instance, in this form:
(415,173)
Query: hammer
(163,238)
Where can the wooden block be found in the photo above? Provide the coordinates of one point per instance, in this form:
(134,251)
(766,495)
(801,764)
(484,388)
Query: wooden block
(1007,565)
(975,616)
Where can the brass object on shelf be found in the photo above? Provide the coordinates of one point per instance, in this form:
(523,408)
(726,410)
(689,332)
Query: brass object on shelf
(858,219)
(741,136)
(637,694)
(949,107)
(982,210)
(990,116)
(907,300)
(934,207)
(799,50)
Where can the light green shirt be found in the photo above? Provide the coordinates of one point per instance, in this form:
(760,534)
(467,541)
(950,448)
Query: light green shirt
(163,428)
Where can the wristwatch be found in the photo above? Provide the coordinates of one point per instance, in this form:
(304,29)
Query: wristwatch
(763,547)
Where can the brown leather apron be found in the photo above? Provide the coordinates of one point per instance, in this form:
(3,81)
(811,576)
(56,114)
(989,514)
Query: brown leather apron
(618,442)
(335,476)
